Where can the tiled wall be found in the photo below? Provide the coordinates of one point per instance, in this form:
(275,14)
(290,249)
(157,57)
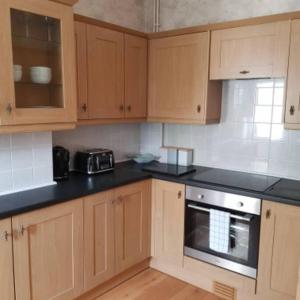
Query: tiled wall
(250,136)
(123,139)
(25,161)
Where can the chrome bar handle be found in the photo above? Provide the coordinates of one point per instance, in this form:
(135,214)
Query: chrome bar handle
(231,215)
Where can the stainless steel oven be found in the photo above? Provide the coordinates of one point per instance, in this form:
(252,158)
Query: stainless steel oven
(240,234)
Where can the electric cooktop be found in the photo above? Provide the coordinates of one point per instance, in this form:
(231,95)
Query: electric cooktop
(167,169)
(241,180)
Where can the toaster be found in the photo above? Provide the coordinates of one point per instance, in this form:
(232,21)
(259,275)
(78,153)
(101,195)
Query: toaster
(94,161)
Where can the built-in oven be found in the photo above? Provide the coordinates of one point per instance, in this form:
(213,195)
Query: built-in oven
(223,229)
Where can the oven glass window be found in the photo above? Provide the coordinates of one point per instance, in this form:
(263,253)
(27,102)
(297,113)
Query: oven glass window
(242,235)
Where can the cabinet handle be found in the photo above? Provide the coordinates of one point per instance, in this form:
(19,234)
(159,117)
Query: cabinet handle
(6,234)
(9,108)
(122,107)
(199,108)
(84,107)
(244,72)
(21,230)
(129,108)
(292,110)
(179,194)
(268,214)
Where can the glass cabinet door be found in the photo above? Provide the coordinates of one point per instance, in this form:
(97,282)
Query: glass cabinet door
(42,63)
(36,44)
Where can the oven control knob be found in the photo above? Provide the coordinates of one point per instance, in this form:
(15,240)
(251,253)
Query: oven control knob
(200,196)
(240,204)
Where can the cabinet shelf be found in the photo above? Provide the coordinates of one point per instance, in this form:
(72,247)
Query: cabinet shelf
(33,84)
(33,43)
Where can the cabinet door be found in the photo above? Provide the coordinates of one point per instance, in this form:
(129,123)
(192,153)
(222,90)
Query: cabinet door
(99,253)
(135,77)
(82,76)
(292,113)
(178,76)
(279,257)
(6,261)
(105,56)
(48,255)
(37,74)
(250,52)
(132,224)
(168,221)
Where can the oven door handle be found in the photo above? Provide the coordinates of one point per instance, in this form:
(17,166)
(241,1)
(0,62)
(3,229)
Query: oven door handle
(231,215)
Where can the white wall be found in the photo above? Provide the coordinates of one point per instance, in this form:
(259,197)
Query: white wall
(184,13)
(128,13)
(25,161)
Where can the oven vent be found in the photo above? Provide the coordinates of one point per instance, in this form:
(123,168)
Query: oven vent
(224,291)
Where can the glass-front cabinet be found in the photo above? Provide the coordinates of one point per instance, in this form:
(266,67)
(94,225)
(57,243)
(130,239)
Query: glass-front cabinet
(37,70)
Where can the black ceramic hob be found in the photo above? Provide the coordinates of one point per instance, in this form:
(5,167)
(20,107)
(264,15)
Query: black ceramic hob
(167,169)
(241,180)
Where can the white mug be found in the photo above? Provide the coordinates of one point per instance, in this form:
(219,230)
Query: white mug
(18,72)
(40,74)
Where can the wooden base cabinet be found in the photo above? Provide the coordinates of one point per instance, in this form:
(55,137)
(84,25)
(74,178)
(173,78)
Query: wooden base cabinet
(6,261)
(99,248)
(179,89)
(279,259)
(132,224)
(116,232)
(168,221)
(48,254)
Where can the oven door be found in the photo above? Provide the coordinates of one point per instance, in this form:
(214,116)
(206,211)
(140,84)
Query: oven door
(242,254)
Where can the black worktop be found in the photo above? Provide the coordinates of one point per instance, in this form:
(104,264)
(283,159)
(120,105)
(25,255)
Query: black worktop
(79,185)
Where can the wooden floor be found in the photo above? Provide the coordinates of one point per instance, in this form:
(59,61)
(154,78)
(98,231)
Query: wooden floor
(153,285)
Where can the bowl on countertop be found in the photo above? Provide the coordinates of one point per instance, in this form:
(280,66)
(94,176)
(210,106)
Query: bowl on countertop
(143,158)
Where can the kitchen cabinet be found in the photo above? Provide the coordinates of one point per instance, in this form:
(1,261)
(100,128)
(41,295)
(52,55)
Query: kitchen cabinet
(168,221)
(105,61)
(99,247)
(48,254)
(279,258)
(298,288)
(255,51)
(37,71)
(135,76)
(179,89)
(292,111)
(6,261)
(132,224)
(111,74)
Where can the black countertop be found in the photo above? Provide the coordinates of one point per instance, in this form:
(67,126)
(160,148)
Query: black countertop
(79,185)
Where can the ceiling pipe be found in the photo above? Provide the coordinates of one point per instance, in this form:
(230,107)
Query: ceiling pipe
(156,25)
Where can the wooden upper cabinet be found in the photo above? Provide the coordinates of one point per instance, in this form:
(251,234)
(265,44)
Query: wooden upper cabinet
(135,76)
(82,70)
(132,224)
(255,51)
(99,251)
(292,112)
(168,221)
(279,258)
(6,261)
(37,74)
(179,89)
(105,61)
(48,255)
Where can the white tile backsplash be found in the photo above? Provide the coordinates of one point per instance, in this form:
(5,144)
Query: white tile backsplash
(25,161)
(123,139)
(250,137)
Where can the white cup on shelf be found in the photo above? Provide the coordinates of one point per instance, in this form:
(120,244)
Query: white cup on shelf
(40,75)
(18,72)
